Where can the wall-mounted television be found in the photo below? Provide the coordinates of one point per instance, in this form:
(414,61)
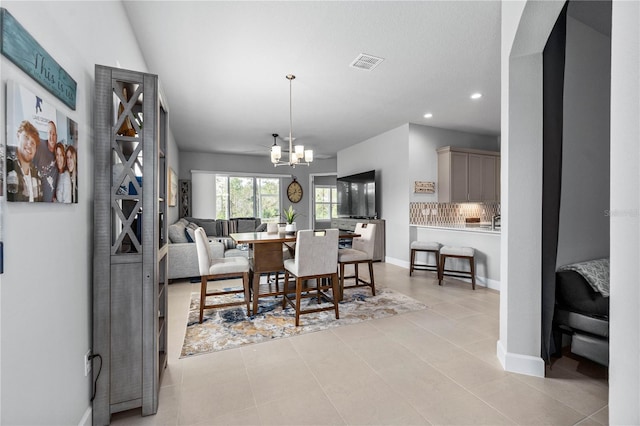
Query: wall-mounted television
(357,196)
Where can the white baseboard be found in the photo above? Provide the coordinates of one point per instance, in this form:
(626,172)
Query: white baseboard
(397,262)
(482,281)
(521,364)
(488,282)
(86,419)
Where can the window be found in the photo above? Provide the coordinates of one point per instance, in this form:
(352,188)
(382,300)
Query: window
(326,199)
(248,196)
(222,197)
(268,197)
(241,197)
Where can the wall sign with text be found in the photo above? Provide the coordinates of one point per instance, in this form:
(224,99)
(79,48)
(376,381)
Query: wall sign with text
(24,51)
(424,187)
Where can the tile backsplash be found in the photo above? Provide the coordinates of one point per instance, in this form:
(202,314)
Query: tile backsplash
(444,214)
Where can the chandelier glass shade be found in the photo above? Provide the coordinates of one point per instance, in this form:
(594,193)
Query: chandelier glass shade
(297,154)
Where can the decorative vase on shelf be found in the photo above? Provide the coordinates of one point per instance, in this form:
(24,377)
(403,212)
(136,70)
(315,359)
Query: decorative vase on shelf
(290,228)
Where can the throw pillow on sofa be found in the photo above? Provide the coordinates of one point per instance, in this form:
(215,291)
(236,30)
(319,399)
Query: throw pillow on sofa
(190,232)
(246,225)
(176,232)
(225,227)
(209,226)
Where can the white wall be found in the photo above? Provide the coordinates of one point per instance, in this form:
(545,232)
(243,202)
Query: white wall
(584,223)
(525,30)
(45,291)
(624,326)
(204,200)
(533,22)
(203,196)
(390,163)
(173,156)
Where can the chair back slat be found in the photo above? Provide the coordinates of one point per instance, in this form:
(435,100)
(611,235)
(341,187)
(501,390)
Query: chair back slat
(204,252)
(366,241)
(316,252)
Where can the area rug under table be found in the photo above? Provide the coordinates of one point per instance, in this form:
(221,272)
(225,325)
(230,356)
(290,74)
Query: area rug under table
(230,328)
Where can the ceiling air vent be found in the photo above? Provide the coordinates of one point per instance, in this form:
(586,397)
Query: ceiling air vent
(366,62)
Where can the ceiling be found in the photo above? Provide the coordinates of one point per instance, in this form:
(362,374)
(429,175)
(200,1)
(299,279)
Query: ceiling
(222,66)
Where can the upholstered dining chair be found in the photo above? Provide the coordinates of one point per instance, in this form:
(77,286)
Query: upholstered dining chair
(361,251)
(315,258)
(213,269)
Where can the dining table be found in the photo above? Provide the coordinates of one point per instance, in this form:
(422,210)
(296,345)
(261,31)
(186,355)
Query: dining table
(268,254)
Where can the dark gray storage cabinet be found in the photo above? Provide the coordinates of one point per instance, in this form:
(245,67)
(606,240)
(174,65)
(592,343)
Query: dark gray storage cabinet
(130,242)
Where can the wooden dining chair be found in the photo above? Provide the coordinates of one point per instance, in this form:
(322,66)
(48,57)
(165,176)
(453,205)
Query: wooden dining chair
(218,268)
(361,251)
(315,258)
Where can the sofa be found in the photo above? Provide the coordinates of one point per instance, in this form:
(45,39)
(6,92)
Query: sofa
(183,257)
(582,309)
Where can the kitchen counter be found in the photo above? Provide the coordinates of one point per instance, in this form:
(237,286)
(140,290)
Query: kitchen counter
(480,236)
(482,227)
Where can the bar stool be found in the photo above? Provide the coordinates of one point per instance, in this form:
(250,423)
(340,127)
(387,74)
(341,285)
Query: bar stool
(458,253)
(427,247)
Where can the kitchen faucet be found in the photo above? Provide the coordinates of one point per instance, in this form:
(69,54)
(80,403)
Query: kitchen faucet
(495,220)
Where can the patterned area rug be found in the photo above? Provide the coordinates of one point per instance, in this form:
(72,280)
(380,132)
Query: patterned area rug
(230,328)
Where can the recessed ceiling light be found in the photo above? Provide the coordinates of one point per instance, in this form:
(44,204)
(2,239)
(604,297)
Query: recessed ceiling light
(428,115)
(476,96)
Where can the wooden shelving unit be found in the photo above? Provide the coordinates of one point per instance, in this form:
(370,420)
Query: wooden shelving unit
(130,246)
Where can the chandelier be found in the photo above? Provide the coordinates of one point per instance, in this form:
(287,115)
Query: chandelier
(297,153)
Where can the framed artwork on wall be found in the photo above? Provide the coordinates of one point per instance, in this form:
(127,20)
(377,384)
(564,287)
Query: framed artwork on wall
(41,150)
(173,188)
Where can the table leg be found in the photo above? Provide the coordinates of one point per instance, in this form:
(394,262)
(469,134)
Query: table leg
(267,258)
(256,289)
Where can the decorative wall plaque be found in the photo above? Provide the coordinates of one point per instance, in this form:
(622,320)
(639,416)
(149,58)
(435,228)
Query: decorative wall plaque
(424,187)
(24,51)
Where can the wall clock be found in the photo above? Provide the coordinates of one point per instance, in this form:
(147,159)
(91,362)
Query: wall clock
(294,191)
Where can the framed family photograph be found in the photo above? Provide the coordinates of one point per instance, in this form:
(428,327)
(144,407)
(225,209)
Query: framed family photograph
(41,151)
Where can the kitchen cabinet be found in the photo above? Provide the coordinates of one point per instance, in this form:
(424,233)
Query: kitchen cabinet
(468,175)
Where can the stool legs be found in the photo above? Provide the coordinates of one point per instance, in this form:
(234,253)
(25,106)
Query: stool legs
(359,282)
(461,274)
(413,259)
(472,267)
(423,267)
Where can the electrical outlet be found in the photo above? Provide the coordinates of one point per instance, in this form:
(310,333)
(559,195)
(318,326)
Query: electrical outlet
(87,363)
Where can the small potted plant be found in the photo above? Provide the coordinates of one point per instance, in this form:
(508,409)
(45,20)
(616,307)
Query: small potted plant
(290,216)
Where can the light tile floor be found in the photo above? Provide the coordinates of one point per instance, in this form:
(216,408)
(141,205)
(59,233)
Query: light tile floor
(436,366)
